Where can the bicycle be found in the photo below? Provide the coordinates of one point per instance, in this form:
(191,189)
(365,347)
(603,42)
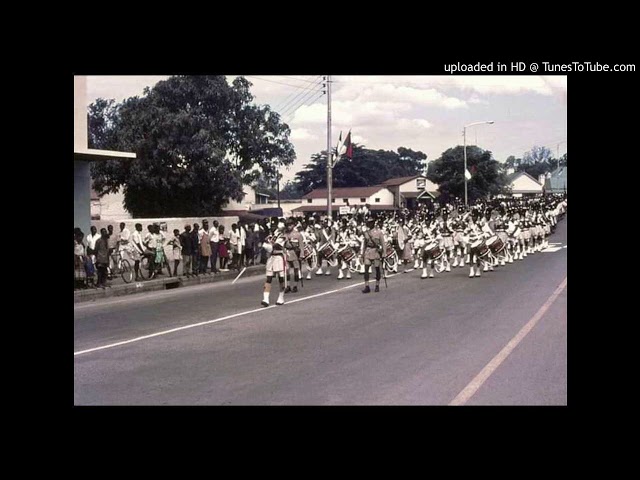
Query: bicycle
(122,267)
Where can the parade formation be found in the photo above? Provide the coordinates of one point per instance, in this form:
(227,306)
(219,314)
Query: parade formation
(429,240)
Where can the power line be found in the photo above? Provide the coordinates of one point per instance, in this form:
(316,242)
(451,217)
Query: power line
(295,99)
(273,81)
(291,96)
(308,102)
(300,101)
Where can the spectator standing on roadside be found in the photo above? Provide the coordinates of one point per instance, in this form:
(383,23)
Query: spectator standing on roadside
(205,246)
(91,243)
(102,257)
(234,239)
(113,244)
(137,250)
(214,240)
(195,237)
(187,250)
(176,250)
(223,248)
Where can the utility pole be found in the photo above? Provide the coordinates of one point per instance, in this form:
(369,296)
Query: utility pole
(329,159)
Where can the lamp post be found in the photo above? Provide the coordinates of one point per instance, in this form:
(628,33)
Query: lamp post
(464,134)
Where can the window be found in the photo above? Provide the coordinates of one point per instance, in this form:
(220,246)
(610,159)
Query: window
(377,200)
(363,200)
(333,200)
(309,200)
(345,200)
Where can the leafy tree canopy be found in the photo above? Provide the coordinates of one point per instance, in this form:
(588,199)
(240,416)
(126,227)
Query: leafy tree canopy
(448,172)
(197,140)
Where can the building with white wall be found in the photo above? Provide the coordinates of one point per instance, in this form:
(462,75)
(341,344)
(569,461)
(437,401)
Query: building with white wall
(377,197)
(523,184)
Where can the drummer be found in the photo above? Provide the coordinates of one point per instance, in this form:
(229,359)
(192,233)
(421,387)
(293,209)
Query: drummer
(433,246)
(475,239)
(344,245)
(326,237)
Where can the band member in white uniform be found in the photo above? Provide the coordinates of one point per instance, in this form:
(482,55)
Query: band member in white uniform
(445,228)
(344,242)
(325,235)
(433,243)
(275,265)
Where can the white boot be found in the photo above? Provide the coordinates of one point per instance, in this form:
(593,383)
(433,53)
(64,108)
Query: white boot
(280,300)
(424,273)
(327,272)
(448,269)
(485,269)
(416,264)
(265,299)
(348,274)
(462,261)
(502,263)
(471,272)
(319,271)
(431,273)
(455,262)
(478,272)
(340,275)
(308,274)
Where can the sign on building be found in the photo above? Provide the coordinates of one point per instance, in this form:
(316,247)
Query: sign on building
(421,183)
(345,210)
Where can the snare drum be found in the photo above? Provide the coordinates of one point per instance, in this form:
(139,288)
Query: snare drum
(433,251)
(306,252)
(347,254)
(390,250)
(327,250)
(495,244)
(479,248)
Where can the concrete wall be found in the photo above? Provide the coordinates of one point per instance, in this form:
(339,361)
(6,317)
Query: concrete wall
(172,223)
(80,113)
(81,196)
(112,207)
(384,194)
(286,205)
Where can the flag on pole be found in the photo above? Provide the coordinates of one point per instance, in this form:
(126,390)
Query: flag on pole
(344,147)
(467,174)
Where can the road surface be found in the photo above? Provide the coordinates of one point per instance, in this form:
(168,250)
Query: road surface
(500,339)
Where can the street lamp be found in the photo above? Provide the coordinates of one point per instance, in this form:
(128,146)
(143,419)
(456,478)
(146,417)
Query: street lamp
(464,134)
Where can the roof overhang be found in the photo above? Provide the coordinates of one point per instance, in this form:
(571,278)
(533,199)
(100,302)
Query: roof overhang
(91,155)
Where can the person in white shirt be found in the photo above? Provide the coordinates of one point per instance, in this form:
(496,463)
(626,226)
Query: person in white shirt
(91,243)
(137,249)
(234,240)
(214,240)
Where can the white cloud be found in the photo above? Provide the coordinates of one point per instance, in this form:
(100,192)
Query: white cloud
(302,134)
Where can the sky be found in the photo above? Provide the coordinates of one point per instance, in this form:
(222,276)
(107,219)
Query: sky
(425,113)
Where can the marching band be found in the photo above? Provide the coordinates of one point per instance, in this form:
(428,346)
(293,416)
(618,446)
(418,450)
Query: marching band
(483,236)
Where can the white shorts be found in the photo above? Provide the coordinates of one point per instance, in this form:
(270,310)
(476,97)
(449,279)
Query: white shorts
(275,264)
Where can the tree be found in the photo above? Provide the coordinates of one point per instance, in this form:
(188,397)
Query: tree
(536,155)
(198,140)
(512,162)
(448,172)
(366,168)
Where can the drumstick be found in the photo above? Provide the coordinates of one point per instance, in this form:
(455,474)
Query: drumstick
(234,281)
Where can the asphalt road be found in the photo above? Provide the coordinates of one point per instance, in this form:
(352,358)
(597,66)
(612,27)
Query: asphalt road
(417,342)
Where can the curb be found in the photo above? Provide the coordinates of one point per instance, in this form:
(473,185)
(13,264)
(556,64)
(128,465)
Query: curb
(160,284)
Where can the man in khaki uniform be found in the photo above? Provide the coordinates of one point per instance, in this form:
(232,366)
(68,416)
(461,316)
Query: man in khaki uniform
(373,250)
(293,243)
